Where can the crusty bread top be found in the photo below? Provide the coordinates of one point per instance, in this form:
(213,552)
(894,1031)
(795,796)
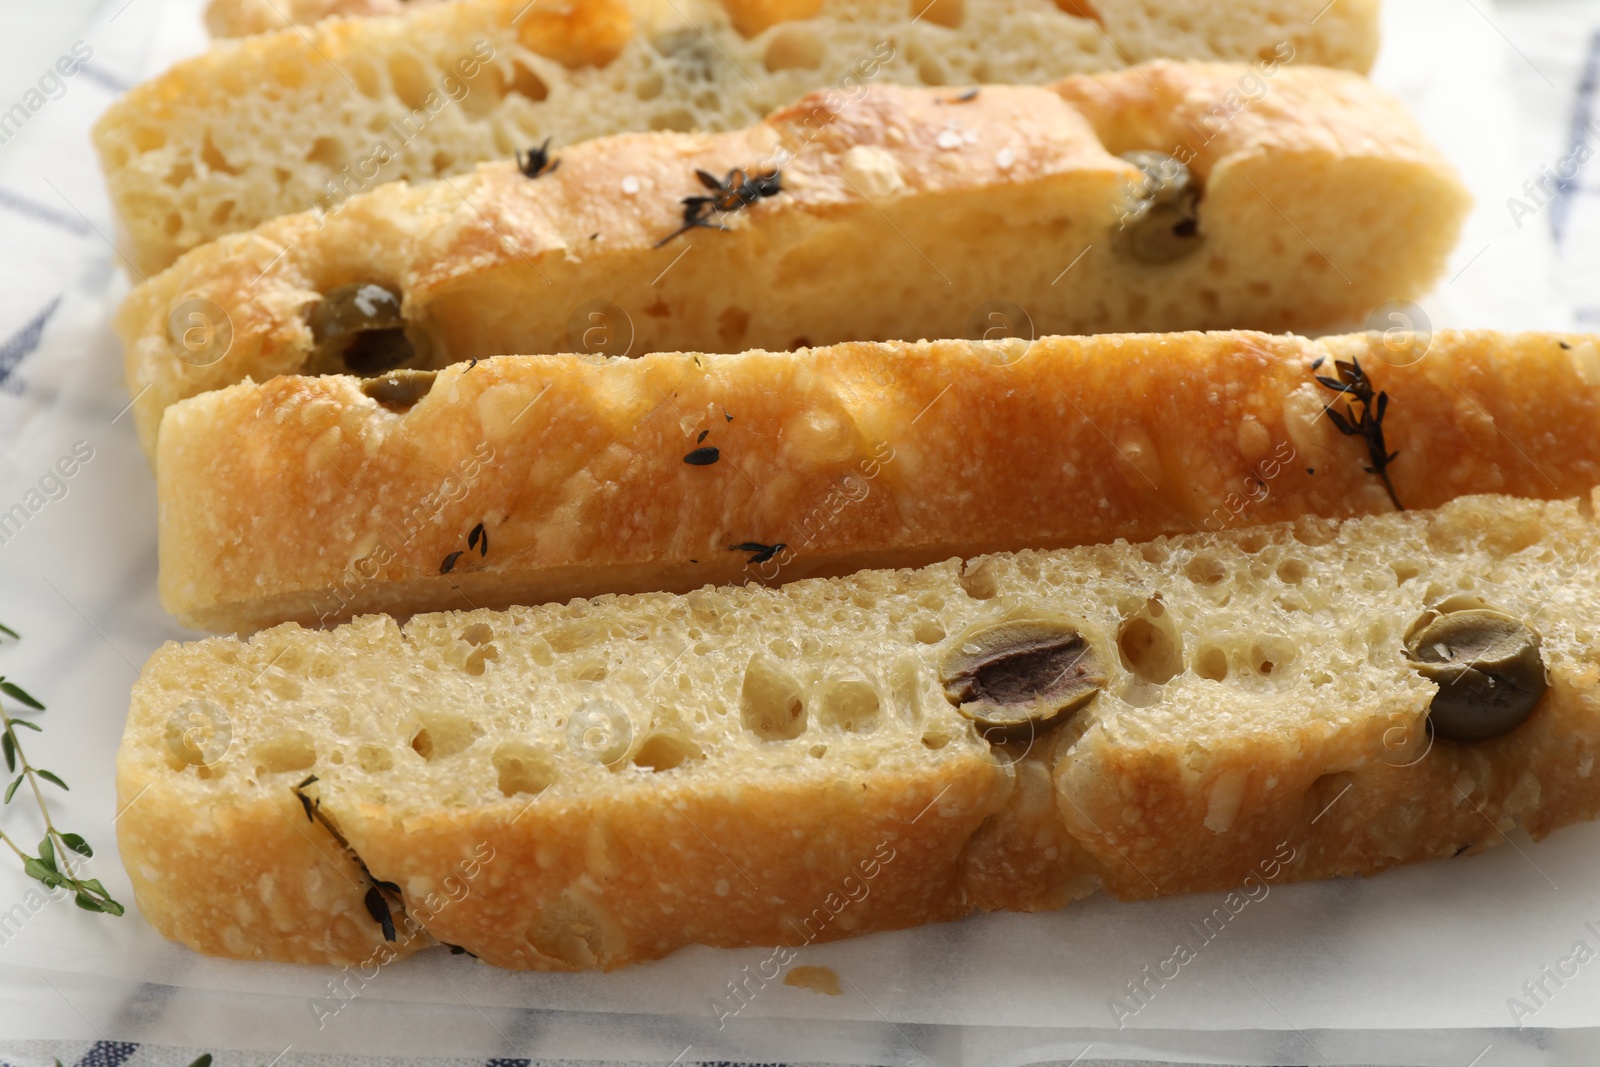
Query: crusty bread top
(596,221)
(303,498)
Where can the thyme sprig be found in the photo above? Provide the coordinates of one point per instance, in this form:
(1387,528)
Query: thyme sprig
(733,193)
(1353,382)
(381,895)
(52,865)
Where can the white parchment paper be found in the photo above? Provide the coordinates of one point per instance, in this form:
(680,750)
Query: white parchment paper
(1420,965)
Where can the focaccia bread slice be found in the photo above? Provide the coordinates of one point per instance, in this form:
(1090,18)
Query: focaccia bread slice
(521,480)
(909,213)
(303,118)
(598,783)
(1343,35)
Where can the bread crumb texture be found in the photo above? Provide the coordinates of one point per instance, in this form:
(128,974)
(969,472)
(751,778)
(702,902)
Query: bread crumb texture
(601,782)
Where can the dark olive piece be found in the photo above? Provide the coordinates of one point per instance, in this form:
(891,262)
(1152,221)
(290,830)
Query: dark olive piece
(358,329)
(1488,667)
(1019,679)
(399,390)
(1162,224)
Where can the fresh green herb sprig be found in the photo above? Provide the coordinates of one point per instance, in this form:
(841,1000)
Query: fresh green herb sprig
(52,865)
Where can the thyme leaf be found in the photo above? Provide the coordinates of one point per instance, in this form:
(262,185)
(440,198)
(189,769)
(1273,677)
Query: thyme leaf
(1362,416)
(379,892)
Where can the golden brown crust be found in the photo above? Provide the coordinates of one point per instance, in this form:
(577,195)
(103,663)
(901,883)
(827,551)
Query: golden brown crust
(240,18)
(991,198)
(301,498)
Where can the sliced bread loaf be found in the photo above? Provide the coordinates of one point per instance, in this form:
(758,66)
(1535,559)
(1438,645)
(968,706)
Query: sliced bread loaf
(905,214)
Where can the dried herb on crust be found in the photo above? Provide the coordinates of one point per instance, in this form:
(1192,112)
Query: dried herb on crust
(537,163)
(703,457)
(1367,423)
(738,190)
(762,552)
(380,894)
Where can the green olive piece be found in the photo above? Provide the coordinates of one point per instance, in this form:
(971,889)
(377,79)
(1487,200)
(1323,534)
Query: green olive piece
(1018,679)
(1163,224)
(399,390)
(1488,667)
(358,329)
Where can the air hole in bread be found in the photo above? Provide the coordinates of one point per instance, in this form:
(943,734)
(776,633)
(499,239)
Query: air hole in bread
(290,750)
(793,48)
(770,702)
(818,751)
(443,735)
(978,580)
(180,173)
(477,633)
(213,158)
(1270,655)
(662,752)
(591,672)
(172,224)
(937,736)
(928,630)
(1293,571)
(1252,541)
(1211,662)
(327,151)
(523,768)
(442,162)
(374,759)
(649,86)
(474,664)
(1205,570)
(948,13)
(409,81)
(1149,643)
(525,82)
(849,704)
(1405,570)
